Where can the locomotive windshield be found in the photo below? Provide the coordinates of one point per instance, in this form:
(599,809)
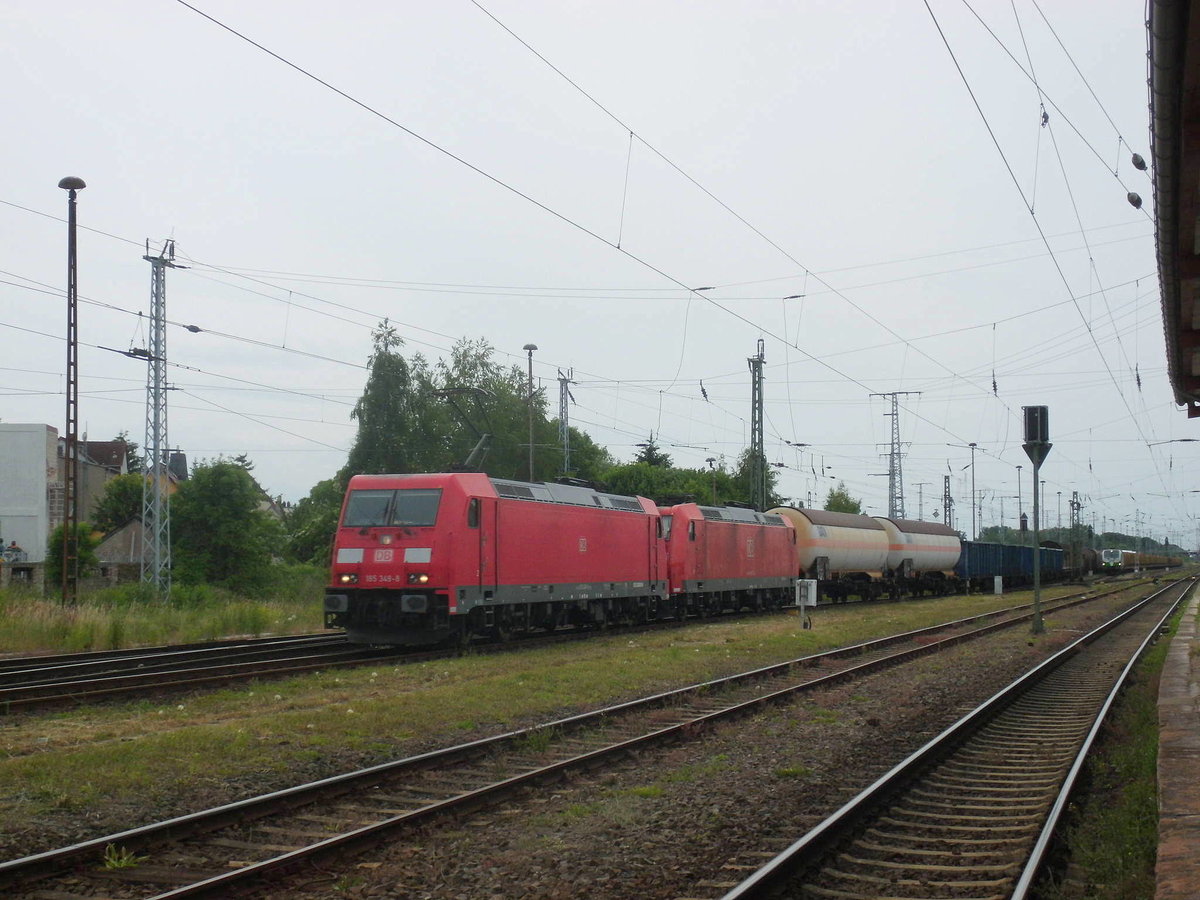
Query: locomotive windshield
(413,507)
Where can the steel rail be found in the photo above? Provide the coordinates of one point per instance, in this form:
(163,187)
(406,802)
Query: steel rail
(1045,837)
(809,849)
(53,861)
(101,657)
(49,694)
(32,684)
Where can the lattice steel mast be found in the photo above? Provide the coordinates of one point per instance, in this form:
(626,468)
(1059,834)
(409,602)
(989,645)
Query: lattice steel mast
(758,459)
(895,466)
(564,428)
(156,519)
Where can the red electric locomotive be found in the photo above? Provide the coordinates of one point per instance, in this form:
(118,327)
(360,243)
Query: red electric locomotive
(422,559)
(722,559)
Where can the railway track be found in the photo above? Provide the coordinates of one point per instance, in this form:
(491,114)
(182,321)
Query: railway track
(222,851)
(34,683)
(43,682)
(29,683)
(972,813)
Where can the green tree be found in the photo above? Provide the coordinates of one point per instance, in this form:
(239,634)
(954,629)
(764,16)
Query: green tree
(743,478)
(313,521)
(218,534)
(85,552)
(500,406)
(589,460)
(839,500)
(134,461)
(670,485)
(120,503)
(642,479)
(413,417)
(651,455)
(400,426)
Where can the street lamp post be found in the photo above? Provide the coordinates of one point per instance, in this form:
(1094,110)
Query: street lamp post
(529,348)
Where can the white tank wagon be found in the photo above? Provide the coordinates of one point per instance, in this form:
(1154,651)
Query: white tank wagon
(847,554)
(921,555)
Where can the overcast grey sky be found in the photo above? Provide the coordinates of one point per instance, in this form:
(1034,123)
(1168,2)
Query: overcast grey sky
(830,149)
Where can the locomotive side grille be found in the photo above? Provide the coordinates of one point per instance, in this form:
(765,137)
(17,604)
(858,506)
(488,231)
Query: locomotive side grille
(514,490)
(624,503)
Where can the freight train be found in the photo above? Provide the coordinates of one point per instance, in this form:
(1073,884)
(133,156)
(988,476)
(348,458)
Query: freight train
(433,558)
(1117,561)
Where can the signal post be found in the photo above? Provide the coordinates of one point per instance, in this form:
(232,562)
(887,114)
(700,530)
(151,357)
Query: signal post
(1037,447)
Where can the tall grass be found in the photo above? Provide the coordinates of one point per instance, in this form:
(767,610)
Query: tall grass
(128,615)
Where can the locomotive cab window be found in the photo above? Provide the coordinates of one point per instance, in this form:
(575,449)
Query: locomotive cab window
(416,507)
(691,531)
(664,527)
(367,508)
(413,507)
(473,513)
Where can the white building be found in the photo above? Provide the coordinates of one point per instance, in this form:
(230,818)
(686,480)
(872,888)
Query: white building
(31,483)
(31,487)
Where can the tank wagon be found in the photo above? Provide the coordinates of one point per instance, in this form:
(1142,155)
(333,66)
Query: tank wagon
(853,555)
(921,555)
(430,558)
(847,554)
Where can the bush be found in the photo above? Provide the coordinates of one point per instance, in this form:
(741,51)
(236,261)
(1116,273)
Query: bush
(85,551)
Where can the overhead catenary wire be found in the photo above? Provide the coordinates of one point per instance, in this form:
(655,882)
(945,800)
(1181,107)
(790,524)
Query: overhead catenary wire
(680,411)
(862,311)
(558,215)
(1059,113)
(1016,183)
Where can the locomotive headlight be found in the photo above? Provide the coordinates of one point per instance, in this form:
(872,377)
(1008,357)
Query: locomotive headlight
(348,578)
(385,539)
(417,578)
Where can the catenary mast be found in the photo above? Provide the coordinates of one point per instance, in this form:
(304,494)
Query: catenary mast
(156,519)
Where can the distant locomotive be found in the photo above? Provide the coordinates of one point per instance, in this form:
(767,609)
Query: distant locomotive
(1116,561)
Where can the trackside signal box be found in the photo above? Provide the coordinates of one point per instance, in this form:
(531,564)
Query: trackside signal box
(1037,424)
(806,592)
